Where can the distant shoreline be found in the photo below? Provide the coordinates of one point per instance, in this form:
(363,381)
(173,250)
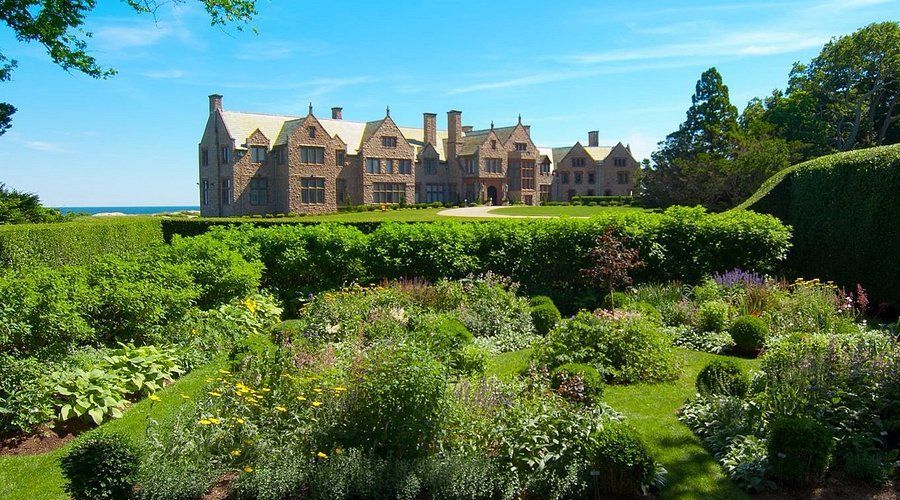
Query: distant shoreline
(136,210)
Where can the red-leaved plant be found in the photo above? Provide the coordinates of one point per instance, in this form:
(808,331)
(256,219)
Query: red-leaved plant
(611,263)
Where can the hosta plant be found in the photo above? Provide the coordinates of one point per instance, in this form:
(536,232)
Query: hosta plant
(144,369)
(96,393)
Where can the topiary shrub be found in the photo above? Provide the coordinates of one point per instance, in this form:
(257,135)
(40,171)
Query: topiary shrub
(541,299)
(101,466)
(577,382)
(622,462)
(722,377)
(712,316)
(545,317)
(749,334)
(799,449)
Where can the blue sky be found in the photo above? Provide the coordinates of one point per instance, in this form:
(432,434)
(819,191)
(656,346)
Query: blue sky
(627,69)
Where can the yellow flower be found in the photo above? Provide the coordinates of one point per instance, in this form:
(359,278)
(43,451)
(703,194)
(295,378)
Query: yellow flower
(154,397)
(321,455)
(340,389)
(301,398)
(338,451)
(224,372)
(248,469)
(266,389)
(235,453)
(214,393)
(250,304)
(281,408)
(209,379)
(185,396)
(205,421)
(317,403)
(317,390)
(214,421)
(239,420)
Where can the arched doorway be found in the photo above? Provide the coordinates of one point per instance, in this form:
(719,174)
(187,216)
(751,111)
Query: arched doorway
(492,195)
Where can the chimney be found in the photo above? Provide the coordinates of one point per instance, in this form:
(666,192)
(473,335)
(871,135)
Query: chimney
(527,129)
(593,138)
(336,113)
(429,123)
(466,129)
(454,133)
(215,103)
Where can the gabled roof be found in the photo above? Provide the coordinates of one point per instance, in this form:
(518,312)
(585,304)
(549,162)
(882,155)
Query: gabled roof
(503,133)
(598,153)
(416,137)
(241,125)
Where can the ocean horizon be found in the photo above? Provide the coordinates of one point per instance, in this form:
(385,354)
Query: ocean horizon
(135,210)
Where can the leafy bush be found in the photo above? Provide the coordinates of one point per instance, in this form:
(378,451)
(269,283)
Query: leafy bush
(545,317)
(25,395)
(835,200)
(717,420)
(394,402)
(624,351)
(623,461)
(491,310)
(94,393)
(143,370)
(577,382)
(746,462)
(447,339)
(538,300)
(100,466)
(722,377)
(712,316)
(749,334)
(799,449)
(221,273)
(692,338)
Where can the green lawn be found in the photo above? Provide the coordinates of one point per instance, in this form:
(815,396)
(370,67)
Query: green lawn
(39,477)
(563,210)
(651,409)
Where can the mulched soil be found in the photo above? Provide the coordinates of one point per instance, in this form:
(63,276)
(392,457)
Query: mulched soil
(42,440)
(838,487)
(222,488)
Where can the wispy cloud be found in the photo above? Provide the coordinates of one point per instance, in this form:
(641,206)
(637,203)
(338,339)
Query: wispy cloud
(279,50)
(165,74)
(48,147)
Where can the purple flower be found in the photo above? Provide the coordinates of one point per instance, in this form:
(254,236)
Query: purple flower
(738,277)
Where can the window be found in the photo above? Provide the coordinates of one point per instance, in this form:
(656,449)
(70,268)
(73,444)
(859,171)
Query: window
(493,165)
(227,191)
(591,178)
(389,166)
(564,178)
(434,193)
(493,144)
(405,166)
(340,156)
(204,192)
(258,154)
(545,167)
(312,190)
(471,165)
(342,192)
(521,146)
(620,162)
(577,162)
(578,176)
(545,192)
(388,192)
(204,157)
(623,177)
(311,132)
(389,141)
(430,165)
(372,166)
(225,154)
(312,154)
(259,191)
(527,175)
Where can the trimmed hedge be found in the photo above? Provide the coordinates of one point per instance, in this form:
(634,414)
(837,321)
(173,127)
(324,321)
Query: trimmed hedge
(77,242)
(544,256)
(846,217)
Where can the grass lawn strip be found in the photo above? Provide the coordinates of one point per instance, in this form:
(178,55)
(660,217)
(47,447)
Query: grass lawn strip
(39,477)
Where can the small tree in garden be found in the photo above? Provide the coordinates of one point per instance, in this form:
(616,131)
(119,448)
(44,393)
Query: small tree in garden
(611,262)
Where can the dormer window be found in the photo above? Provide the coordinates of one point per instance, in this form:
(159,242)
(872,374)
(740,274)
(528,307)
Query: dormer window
(340,156)
(311,132)
(389,141)
(258,154)
(577,162)
(521,146)
(545,167)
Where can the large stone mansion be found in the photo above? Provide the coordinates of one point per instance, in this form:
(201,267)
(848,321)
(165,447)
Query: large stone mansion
(253,163)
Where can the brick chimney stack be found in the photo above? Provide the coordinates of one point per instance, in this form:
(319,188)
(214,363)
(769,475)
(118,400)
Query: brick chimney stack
(467,128)
(429,123)
(593,138)
(454,134)
(336,113)
(215,103)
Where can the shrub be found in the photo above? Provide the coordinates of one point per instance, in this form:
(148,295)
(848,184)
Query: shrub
(491,310)
(472,360)
(449,341)
(577,382)
(692,338)
(624,351)
(712,316)
(221,273)
(799,449)
(747,464)
(544,317)
(25,395)
(722,377)
(394,403)
(100,466)
(540,300)
(749,334)
(88,393)
(623,462)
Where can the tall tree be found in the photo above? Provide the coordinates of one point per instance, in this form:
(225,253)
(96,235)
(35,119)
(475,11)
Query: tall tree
(58,26)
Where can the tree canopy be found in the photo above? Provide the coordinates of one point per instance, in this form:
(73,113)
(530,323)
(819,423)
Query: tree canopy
(58,25)
(17,207)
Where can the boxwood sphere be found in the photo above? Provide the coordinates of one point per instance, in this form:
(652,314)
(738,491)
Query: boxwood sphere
(749,334)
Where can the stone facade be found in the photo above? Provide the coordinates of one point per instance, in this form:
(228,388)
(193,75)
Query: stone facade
(254,164)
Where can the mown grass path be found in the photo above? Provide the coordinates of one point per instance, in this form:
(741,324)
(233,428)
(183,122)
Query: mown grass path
(36,477)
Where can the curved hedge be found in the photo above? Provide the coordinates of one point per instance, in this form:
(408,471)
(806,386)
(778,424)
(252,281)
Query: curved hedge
(77,242)
(845,210)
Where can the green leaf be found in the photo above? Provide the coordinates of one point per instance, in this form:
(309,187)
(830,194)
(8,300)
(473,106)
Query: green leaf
(96,415)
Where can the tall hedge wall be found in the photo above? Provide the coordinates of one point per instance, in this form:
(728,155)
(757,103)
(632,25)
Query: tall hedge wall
(76,242)
(545,256)
(845,210)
